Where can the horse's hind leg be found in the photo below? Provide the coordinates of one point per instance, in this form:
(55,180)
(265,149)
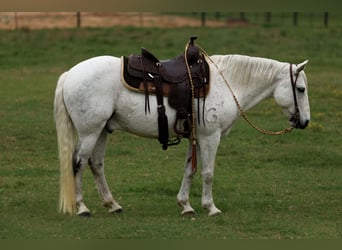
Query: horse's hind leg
(80,161)
(96,163)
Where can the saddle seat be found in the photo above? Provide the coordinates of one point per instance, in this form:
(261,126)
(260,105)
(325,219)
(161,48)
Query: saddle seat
(147,74)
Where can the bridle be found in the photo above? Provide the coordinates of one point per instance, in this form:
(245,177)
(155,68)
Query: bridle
(296,115)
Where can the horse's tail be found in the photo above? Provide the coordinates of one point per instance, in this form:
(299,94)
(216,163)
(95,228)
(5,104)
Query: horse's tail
(66,139)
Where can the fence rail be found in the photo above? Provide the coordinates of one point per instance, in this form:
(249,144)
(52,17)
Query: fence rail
(40,20)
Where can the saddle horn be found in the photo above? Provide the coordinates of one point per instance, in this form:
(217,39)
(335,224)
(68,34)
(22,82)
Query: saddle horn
(192,39)
(192,53)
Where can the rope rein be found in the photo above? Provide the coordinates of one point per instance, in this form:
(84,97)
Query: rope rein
(243,114)
(192,95)
(193,129)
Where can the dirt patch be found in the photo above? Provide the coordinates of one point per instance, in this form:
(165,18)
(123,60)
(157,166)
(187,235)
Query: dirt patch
(47,20)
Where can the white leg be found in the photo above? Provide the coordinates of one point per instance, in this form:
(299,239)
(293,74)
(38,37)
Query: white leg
(183,194)
(97,167)
(80,161)
(208,148)
(81,207)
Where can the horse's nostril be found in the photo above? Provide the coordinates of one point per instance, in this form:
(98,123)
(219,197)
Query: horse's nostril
(305,124)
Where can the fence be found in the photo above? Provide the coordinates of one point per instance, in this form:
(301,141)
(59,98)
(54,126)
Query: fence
(274,19)
(39,20)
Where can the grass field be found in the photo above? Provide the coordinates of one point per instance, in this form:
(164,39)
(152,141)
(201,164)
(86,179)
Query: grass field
(286,187)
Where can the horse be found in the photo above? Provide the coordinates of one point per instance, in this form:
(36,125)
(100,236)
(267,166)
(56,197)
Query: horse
(90,100)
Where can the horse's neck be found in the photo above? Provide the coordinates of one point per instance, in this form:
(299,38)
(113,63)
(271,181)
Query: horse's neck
(252,79)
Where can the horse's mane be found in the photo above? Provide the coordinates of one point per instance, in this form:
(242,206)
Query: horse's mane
(240,69)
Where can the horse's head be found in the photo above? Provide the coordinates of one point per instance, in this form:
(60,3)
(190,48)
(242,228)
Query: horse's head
(291,94)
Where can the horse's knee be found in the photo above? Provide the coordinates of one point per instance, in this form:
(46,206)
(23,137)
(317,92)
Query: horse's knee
(208,177)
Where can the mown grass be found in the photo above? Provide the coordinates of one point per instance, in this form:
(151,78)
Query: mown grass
(267,187)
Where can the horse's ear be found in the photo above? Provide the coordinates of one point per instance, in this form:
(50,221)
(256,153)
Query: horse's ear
(301,66)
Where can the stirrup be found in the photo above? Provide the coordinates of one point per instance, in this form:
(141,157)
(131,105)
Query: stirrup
(174,141)
(180,132)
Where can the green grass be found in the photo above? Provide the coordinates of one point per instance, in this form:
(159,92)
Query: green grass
(267,187)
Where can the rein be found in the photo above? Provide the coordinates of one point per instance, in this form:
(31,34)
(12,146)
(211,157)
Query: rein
(243,114)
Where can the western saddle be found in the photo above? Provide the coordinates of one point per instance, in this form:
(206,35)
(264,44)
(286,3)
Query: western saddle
(174,78)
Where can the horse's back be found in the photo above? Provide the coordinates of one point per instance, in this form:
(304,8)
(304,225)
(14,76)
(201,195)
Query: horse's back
(95,66)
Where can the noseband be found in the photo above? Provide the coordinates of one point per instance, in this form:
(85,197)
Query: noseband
(295,116)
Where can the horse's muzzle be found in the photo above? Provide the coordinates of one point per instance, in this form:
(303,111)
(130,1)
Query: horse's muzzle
(296,122)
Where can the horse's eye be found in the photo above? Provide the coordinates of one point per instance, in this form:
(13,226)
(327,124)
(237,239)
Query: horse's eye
(301,89)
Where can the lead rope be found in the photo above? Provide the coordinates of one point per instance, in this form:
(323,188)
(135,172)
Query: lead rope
(193,125)
(243,114)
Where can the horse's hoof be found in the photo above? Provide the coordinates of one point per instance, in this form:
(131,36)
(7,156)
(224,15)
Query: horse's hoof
(116,211)
(188,213)
(85,214)
(216,212)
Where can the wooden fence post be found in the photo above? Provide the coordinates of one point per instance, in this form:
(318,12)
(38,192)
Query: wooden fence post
(16,20)
(268,17)
(217,15)
(295,18)
(141,19)
(326,19)
(203,19)
(78,15)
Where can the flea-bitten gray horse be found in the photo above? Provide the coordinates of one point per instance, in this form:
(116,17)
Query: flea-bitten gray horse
(90,99)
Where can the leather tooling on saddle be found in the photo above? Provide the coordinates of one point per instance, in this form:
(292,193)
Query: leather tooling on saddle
(146,74)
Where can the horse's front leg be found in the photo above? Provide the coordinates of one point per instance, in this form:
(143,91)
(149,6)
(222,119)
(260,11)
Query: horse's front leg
(183,194)
(208,149)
